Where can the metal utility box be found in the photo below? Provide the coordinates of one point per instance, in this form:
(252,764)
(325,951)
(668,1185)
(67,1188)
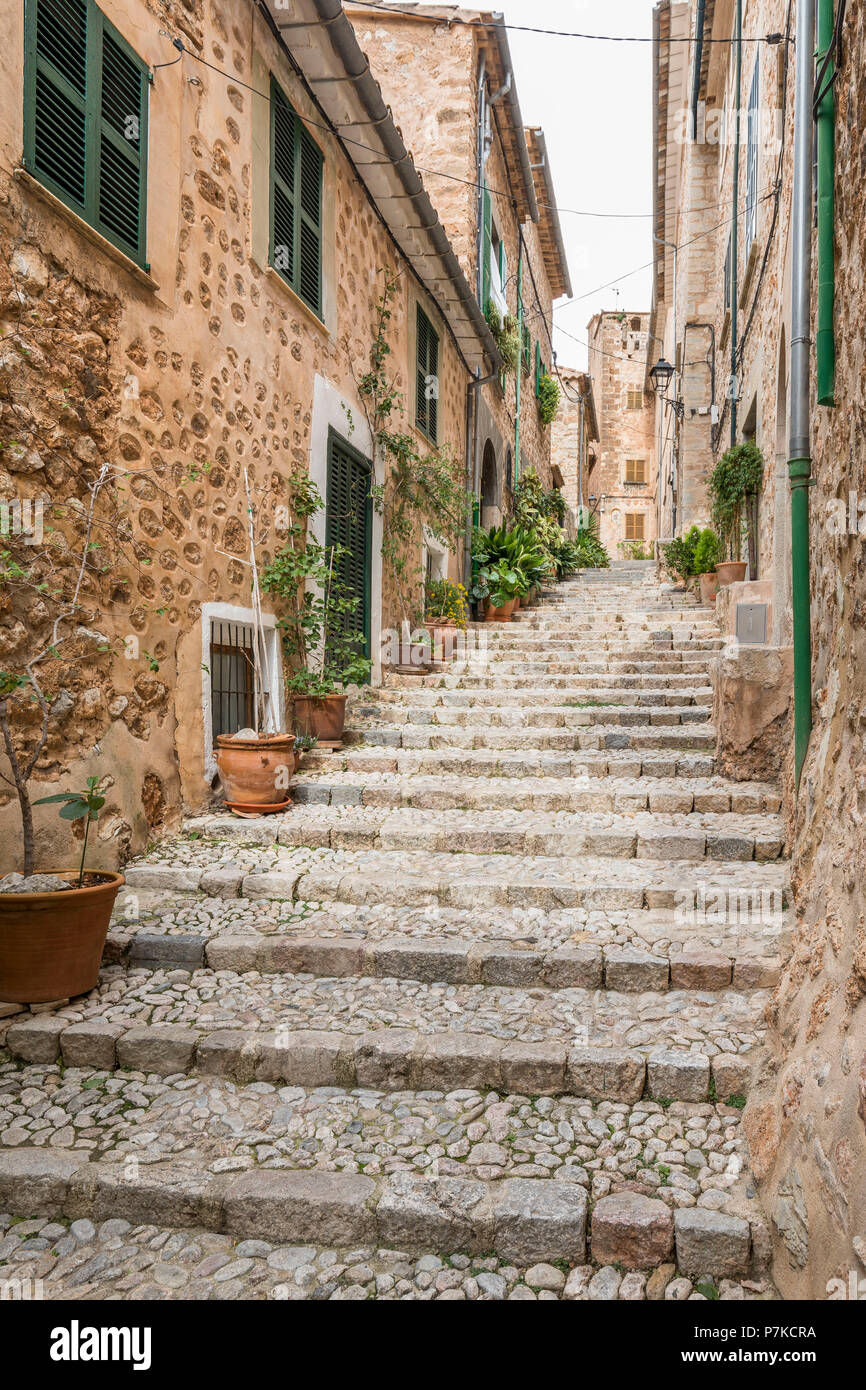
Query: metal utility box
(752,623)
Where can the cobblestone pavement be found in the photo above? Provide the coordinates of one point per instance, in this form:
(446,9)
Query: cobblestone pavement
(474,1019)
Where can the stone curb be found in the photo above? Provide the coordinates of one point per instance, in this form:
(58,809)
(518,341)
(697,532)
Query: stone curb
(523,1220)
(453,960)
(386,1059)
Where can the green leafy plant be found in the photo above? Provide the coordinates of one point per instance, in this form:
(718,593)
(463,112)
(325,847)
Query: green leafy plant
(708,552)
(548,398)
(506,333)
(320,643)
(736,477)
(590,553)
(680,554)
(84,805)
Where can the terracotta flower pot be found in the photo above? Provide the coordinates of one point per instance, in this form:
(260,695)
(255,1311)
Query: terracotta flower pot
(443,639)
(498,615)
(51,943)
(323,718)
(709,589)
(256,771)
(516,607)
(731,572)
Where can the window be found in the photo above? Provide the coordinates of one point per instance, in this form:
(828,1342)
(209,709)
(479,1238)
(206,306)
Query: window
(635,471)
(85,118)
(754,120)
(349,525)
(296,202)
(634,526)
(634,398)
(540,368)
(231,676)
(427,379)
(635,325)
(526,343)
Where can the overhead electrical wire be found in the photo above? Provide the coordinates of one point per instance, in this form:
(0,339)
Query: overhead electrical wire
(553,33)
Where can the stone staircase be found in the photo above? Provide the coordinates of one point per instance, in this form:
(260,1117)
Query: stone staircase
(475,1018)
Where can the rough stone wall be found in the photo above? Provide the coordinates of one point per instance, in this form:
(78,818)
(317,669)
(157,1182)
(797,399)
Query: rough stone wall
(807,1125)
(428,73)
(618,346)
(565,438)
(178,380)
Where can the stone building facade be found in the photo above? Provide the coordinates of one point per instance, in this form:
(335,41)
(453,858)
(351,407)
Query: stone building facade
(621,487)
(574,438)
(168,362)
(806,1117)
(447,75)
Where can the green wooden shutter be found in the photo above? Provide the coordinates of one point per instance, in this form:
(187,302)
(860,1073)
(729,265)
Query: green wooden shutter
(349,524)
(85,118)
(296,202)
(486,242)
(537,366)
(427,371)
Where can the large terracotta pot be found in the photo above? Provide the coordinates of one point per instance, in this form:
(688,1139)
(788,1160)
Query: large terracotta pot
(443,639)
(731,572)
(256,771)
(51,943)
(709,589)
(498,615)
(324,717)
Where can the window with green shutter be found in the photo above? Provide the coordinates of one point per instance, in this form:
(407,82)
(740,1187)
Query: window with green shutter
(296,202)
(349,525)
(486,243)
(85,118)
(427,377)
(527,343)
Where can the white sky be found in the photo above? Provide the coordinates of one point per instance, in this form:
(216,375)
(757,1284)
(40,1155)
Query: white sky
(594,101)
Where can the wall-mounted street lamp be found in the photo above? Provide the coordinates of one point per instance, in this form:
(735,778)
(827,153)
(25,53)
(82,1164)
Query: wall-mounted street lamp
(661,376)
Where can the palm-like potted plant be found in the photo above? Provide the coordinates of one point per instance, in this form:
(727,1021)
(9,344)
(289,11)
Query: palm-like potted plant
(733,486)
(320,641)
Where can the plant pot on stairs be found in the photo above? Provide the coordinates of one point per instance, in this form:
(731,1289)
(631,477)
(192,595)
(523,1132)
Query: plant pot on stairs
(51,943)
(709,589)
(731,572)
(256,770)
(322,717)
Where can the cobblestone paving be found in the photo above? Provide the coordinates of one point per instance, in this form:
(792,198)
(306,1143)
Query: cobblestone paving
(722,1021)
(118,1261)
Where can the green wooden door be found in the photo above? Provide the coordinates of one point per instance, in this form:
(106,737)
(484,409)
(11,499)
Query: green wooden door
(349,523)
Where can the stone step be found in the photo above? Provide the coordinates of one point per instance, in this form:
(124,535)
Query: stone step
(587,693)
(592,674)
(688,737)
(471,958)
(514,764)
(642,835)
(580,714)
(317,784)
(415,879)
(416,1171)
(695,666)
(749,930)
(393,1034)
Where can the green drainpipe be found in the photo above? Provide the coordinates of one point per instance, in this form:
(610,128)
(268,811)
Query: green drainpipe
(519,364)
(825,343)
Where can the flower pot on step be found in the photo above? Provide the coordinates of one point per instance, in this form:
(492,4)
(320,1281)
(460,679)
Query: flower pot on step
(256,772)
(709,589)
(443,639)
(51,943)
(731,572)
(323,717)
(498,615)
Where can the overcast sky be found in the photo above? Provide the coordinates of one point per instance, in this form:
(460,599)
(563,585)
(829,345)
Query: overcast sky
(594,101)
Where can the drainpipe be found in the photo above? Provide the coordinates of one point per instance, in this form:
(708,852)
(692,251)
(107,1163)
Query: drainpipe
(581,409)
(696,67)
(481,163)
(800,463)
(519,362)
(825,116)
(471,419)
(735,228)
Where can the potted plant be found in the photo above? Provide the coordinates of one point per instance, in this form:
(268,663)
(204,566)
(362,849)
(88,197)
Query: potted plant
(680,555)
(733,486)
(320,640)
(53,926)
(256,765)
(445,606)
(548,398)
(706,557)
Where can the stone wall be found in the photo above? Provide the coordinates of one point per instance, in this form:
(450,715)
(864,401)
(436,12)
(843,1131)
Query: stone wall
(618,346)
(808,1124)
(178,379)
